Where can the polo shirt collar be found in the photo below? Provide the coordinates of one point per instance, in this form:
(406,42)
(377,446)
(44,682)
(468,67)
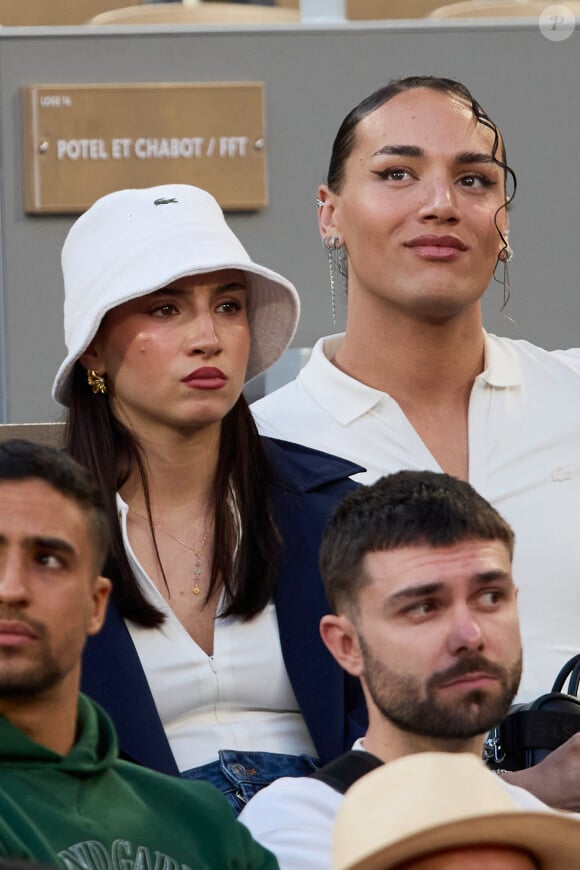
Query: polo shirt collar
(346,399)
(502,368)
(341,396)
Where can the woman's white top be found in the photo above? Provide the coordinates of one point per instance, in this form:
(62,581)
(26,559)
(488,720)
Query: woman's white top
(238,698)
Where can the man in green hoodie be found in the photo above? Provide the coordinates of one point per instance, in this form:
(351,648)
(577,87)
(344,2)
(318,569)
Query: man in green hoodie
(65,796)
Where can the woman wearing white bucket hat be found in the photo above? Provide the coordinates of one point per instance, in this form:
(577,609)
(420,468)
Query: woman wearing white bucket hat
(210,662)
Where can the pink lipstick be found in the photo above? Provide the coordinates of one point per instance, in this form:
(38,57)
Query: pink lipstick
(433,247)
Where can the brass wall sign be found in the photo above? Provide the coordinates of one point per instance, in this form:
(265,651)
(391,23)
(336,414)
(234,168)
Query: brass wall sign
(83,141)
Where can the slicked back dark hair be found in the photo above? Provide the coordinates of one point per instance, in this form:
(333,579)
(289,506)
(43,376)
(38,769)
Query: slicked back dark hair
(409,508)
(21,460)
(345,140)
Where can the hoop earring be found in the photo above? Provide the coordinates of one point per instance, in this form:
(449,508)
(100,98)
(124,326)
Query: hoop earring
(96,381)
(334,247)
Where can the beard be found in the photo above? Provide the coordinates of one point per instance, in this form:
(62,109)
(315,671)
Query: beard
(416,708)
(26,672)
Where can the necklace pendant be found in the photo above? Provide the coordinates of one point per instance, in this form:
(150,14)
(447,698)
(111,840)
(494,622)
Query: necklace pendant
(196,574)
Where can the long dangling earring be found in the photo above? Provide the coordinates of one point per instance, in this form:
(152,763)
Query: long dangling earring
(507,257)
(96,381)
(337,262)
(332,245)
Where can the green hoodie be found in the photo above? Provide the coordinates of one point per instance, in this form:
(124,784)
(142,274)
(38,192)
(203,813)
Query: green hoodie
(89,810)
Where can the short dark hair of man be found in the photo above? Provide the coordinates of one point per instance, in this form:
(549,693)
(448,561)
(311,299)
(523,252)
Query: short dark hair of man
(22,460)
(409,508)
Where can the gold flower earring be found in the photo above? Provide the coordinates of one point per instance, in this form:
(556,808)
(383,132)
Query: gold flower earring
(96,381)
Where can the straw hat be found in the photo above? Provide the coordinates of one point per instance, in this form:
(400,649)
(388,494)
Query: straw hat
(132,242)
(432,801)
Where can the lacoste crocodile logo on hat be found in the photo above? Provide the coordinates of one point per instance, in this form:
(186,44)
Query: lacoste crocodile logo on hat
(163,201)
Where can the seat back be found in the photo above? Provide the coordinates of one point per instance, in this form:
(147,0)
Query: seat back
(357,10)
(491,9)
(198,13)
(50,434)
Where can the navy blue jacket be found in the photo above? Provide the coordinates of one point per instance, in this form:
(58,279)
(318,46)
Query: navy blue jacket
(306,486)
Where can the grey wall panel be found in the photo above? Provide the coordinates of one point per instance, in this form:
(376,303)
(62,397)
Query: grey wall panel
(313,75)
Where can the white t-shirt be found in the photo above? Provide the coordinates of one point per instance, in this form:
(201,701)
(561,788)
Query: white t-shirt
(238,698)
(524,457)
(294,819)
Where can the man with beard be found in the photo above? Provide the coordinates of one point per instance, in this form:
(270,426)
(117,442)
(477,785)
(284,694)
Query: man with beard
(417,570)
(65,797)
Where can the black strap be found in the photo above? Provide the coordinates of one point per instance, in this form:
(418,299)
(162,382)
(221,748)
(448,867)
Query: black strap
(570,668)
(346,769)
(538,729)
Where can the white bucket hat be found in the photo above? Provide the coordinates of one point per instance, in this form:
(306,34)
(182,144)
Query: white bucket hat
(132,242)
(432,801)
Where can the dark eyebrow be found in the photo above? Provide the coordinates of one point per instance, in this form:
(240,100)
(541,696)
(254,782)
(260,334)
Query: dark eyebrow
(492,577)
(178,292)
(400,151)
(411,593)
(167,291)
(39,542)
(465,157)
(473,157)
(233,286)
(56,545)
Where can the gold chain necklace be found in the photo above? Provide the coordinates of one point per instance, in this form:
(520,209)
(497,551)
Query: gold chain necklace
(197,551)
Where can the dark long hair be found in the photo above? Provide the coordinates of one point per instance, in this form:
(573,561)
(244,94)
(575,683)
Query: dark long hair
(244,558)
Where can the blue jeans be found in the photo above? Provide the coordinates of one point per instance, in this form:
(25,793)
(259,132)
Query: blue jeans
(239,775)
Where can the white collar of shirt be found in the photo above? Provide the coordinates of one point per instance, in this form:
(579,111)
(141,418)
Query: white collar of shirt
(146,585)
(345,398)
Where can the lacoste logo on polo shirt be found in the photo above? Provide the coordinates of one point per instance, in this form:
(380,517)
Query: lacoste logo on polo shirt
(560,474)
(163,201)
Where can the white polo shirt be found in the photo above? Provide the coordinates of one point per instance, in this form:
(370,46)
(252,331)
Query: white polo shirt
(524,457)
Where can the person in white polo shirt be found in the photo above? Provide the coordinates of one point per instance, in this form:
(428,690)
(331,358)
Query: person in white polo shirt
(414,212)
